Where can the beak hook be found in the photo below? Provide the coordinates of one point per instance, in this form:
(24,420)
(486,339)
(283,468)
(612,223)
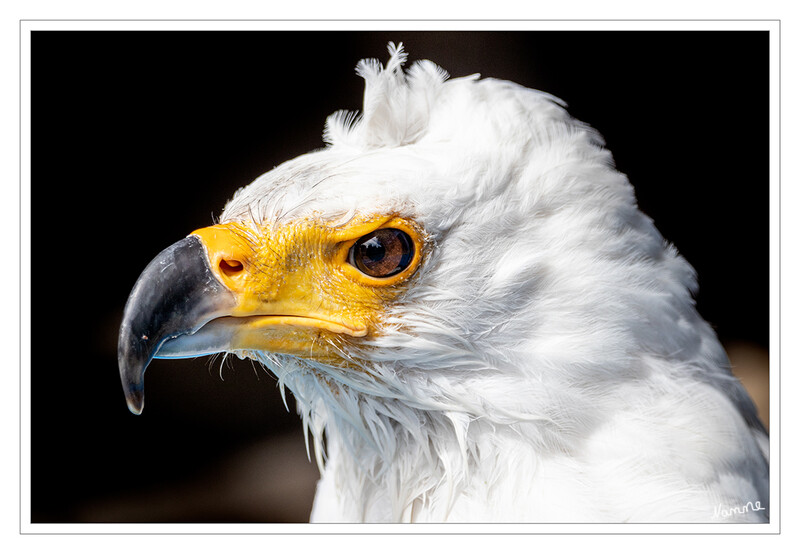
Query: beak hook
(175,295)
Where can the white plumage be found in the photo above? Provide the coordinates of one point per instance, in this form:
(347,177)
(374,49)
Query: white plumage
(546,362)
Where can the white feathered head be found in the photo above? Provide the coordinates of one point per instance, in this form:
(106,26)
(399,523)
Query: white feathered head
(462,250)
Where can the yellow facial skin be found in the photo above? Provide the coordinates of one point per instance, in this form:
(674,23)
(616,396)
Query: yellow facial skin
(296,292)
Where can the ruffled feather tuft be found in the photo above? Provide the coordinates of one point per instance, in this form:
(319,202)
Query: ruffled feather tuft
(396,104)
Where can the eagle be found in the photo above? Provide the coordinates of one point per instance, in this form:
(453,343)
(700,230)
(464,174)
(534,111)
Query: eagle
(477,322)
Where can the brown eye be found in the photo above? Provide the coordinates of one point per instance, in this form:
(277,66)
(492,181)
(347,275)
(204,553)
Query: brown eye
(382,253)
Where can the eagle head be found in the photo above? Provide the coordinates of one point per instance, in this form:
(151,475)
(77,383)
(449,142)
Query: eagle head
(462,253)
(454,245)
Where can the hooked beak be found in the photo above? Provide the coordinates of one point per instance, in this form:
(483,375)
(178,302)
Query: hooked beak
(213,292)
(176,295)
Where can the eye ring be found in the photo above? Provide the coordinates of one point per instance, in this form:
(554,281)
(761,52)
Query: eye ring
(382,253)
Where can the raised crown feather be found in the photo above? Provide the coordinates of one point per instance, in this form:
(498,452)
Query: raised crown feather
(396,104)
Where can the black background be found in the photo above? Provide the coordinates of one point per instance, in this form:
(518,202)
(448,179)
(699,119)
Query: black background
(138,138)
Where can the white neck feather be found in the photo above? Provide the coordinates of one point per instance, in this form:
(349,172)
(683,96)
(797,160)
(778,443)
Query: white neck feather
(428,477)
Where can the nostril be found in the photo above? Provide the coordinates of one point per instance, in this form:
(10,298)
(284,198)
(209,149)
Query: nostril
(230,267)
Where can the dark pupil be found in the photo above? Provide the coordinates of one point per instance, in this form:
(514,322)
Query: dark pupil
(372,251)
(383,253)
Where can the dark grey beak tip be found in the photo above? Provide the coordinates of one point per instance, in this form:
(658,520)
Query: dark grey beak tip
(175,295)
(133,358)
(135,400)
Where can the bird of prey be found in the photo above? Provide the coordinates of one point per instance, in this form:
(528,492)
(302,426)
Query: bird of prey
(475,319)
